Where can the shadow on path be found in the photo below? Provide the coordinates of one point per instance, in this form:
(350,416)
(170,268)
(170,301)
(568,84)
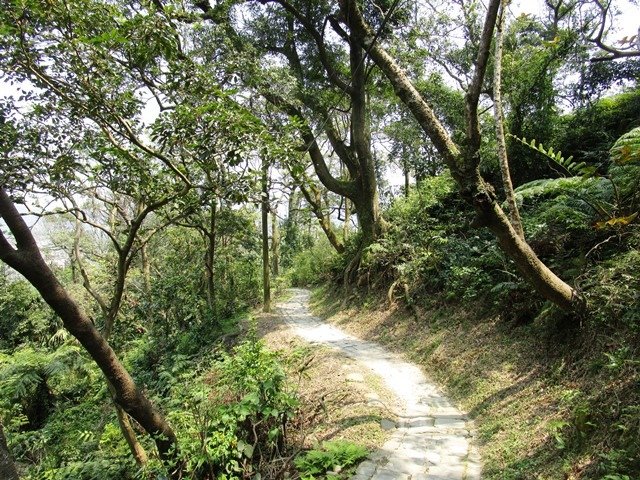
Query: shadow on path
(432,440)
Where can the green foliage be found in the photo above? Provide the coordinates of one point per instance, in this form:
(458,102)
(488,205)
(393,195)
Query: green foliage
(31,380)
(556,429)
(573,168)
(615,464)
(95,64)
(626,150)
(589,133)
(612,291)
(534,53)
(296,239)
(91,468)
(52,403)
(24,317)
(176,308)
(234,417)
(562,210)
(335,459)
(413,244)
(429,250)
(313,265)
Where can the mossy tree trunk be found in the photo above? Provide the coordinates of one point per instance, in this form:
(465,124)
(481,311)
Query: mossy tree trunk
(464,161)
(514,212)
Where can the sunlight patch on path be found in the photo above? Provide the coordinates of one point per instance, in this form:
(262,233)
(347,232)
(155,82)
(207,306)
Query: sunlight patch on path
(432,439)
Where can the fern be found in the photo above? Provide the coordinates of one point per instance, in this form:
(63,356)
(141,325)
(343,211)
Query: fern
(27,367)
(576,169)
(626,150)
(336,459)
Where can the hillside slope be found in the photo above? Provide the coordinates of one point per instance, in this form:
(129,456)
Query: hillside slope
(547,404)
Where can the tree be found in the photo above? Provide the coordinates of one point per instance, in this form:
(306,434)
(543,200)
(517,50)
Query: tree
(86,125)
(125,231)
(294,33)
(605,15)
(25,258)
(503,159)
(463,161)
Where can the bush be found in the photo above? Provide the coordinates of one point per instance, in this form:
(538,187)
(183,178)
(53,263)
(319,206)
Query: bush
(312,266)
(234,418)
(337,458)
(24,317)
(613,291)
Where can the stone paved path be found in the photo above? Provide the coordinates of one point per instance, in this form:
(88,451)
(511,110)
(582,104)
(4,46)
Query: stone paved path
(432,440)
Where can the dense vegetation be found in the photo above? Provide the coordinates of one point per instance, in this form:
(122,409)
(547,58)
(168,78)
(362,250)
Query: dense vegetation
(165,164)
(533,381)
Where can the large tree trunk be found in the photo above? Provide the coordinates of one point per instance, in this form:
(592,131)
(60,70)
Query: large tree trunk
(7,468)
(464,164)
(368,218)
(366,200)
(27,260)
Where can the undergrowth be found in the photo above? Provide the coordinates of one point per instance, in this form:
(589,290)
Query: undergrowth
(553,396)
(336,459)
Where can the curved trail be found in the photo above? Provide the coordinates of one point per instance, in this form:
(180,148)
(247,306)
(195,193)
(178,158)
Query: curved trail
(432,439)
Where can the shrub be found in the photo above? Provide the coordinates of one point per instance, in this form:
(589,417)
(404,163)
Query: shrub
(613,291)
(24,317)
(312,266)
(234,418)
(338,458)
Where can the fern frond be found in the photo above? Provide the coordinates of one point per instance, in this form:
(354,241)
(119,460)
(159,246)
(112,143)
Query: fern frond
(580,169)
(626,150)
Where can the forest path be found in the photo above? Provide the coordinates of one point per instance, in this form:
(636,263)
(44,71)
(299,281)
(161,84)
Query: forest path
(432,438)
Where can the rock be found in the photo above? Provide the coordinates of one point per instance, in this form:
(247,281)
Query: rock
(387,424)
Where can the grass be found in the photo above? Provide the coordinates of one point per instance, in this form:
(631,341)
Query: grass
(547,404)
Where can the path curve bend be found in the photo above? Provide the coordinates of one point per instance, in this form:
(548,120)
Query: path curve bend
(432,440)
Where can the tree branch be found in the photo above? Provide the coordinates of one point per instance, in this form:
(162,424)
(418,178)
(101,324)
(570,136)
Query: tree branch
(613,53)
(475,88)
(406,91)
(21,232)
(319,41)
(340,187)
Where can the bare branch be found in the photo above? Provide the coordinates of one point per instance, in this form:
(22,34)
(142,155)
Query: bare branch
(598,39)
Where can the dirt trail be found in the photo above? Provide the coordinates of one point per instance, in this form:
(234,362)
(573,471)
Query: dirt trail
(431,440)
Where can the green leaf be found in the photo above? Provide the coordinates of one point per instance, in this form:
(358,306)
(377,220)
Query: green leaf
(626,150)
(576,169)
